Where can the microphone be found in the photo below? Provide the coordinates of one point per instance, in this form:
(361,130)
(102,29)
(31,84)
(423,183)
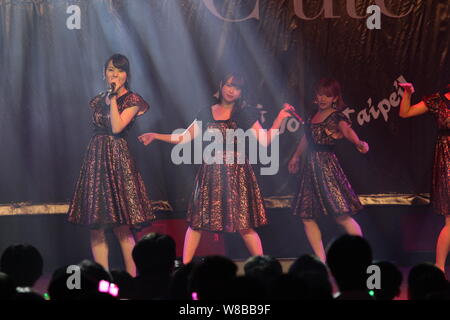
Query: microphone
(406,86)
(296,116)
(110,91)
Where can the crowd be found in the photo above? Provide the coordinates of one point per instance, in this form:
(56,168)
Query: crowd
(216,277)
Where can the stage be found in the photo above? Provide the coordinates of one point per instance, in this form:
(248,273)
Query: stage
(108,107)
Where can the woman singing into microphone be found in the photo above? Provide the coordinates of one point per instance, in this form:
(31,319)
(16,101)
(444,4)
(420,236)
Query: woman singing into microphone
(110,193)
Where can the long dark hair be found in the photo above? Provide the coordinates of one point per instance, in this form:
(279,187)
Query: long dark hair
(238,81)
(331,88)
(120,62)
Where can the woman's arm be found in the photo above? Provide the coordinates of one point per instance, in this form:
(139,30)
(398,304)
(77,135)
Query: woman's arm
(301,147)
(189,134)
(351,136)
(293,163)
(406,110)
(264,136)
(119,121)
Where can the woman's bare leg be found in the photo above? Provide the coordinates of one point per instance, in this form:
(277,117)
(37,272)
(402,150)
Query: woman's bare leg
(443,245)
(350,225)
(191,241)
(252,241)
(99,247)
(127,243)
(314,236)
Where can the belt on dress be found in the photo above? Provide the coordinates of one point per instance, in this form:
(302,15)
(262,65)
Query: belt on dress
(106,132)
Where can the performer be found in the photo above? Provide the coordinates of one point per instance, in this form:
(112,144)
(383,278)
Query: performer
(439,105)
(324,188)
(110,193)
(226,197)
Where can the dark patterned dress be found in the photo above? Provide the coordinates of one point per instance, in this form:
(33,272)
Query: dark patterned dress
(439,106)
(110,190)
(324,187)
(226,197)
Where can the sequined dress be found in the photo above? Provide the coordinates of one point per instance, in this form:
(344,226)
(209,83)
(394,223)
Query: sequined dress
(110,191)
(324,187)
(226,197)
(439,106)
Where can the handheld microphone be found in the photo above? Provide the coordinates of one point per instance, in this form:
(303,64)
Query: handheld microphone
(296,116)
(406,86)
(110,91)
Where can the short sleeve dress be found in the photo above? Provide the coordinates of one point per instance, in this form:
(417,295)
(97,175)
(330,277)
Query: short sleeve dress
(110,191)
(324,188)
(226,196)
(439,106)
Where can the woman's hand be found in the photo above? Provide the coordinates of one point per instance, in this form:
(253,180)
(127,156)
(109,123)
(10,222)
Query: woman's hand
(293,165)
(286,112)
(109,99)
(147,138)
(362,147)
(408,87)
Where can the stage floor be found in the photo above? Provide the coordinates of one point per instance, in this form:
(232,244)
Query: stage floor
(402,234)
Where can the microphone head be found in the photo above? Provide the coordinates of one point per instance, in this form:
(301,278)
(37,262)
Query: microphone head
(111,88)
